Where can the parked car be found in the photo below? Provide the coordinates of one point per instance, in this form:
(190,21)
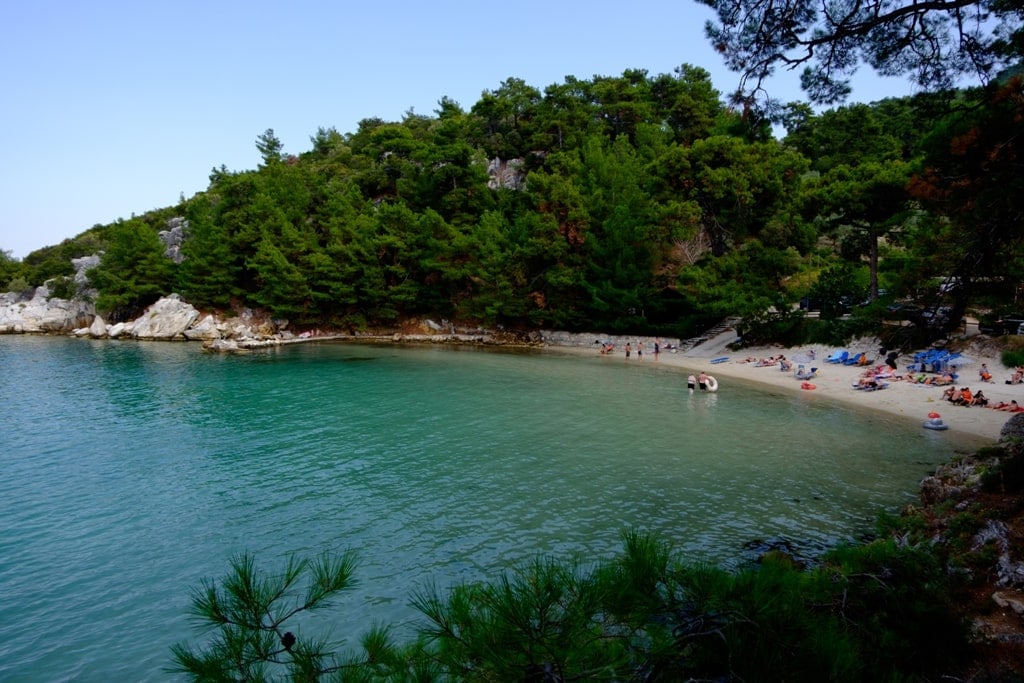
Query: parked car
(1000,324)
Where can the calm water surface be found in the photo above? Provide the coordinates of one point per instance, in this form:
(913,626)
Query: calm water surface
(131,471)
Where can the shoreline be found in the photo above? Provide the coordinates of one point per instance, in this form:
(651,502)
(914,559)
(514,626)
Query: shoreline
(902,399)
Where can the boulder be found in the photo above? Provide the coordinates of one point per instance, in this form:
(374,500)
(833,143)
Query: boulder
(119,329)
(167,319)
(98,329)
(1013,429)
(206,329)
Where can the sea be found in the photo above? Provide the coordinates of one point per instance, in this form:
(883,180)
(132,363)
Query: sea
(132,472)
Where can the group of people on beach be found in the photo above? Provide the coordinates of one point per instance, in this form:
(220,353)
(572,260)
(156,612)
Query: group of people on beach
(965,397)
(608,348)
(763,362)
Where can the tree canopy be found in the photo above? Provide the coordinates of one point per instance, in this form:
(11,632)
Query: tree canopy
(935,43)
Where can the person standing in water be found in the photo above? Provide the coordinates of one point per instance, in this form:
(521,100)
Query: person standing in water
(629,349)
(702,381)
(639,350)
(691,382)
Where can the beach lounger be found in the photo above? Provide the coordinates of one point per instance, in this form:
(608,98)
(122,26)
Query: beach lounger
(838,357)
(806,374)
(842,358)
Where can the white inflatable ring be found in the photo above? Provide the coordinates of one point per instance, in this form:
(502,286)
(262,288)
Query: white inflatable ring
(712,383)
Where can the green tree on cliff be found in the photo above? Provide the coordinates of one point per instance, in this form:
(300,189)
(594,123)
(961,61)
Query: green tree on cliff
(134,272)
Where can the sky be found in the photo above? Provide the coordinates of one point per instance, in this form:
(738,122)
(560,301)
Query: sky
(113,108)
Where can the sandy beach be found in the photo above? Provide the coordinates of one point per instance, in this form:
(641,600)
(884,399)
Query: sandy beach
(834,382)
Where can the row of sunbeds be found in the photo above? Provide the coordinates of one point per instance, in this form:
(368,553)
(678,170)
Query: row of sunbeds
(844,358)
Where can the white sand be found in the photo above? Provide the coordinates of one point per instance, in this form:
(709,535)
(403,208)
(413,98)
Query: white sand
(834,382)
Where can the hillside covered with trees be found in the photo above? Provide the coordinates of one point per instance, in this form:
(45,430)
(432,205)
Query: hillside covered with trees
(634,203)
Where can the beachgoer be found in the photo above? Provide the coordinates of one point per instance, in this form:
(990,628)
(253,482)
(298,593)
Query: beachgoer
(691,382)
(639,350)
(657,348)
(979,399)
(985,375)
(890,360)
(629,349)
(702,381)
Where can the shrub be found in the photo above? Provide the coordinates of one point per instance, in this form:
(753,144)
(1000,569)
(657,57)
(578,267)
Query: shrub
(1007,476)
(1013,357)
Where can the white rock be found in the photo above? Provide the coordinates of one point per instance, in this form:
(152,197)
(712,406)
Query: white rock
(167,319)
(98,329)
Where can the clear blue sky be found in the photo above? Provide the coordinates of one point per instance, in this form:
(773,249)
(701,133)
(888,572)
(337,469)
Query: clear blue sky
(110,109)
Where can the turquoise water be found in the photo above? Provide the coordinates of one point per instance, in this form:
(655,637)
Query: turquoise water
(131,471)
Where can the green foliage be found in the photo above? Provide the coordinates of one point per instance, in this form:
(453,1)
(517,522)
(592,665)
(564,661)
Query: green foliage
(10,269)
(632,204)
(17,284)
(63,288)
(1012,358)
(251,612)
(835,285)
(1007,476)
(134,271)
(935,44)
(897,605)
(208,275)
(542,619)
(55,261)
(872,612)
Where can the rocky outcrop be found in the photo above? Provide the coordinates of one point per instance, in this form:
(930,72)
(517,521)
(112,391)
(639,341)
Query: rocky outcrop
(506,174)
(167,319)
(82,267)
(173,237)
(41,314)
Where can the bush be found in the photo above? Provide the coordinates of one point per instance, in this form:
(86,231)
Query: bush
(63,288)
(1007,476)
(872,612)
(1012,358)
